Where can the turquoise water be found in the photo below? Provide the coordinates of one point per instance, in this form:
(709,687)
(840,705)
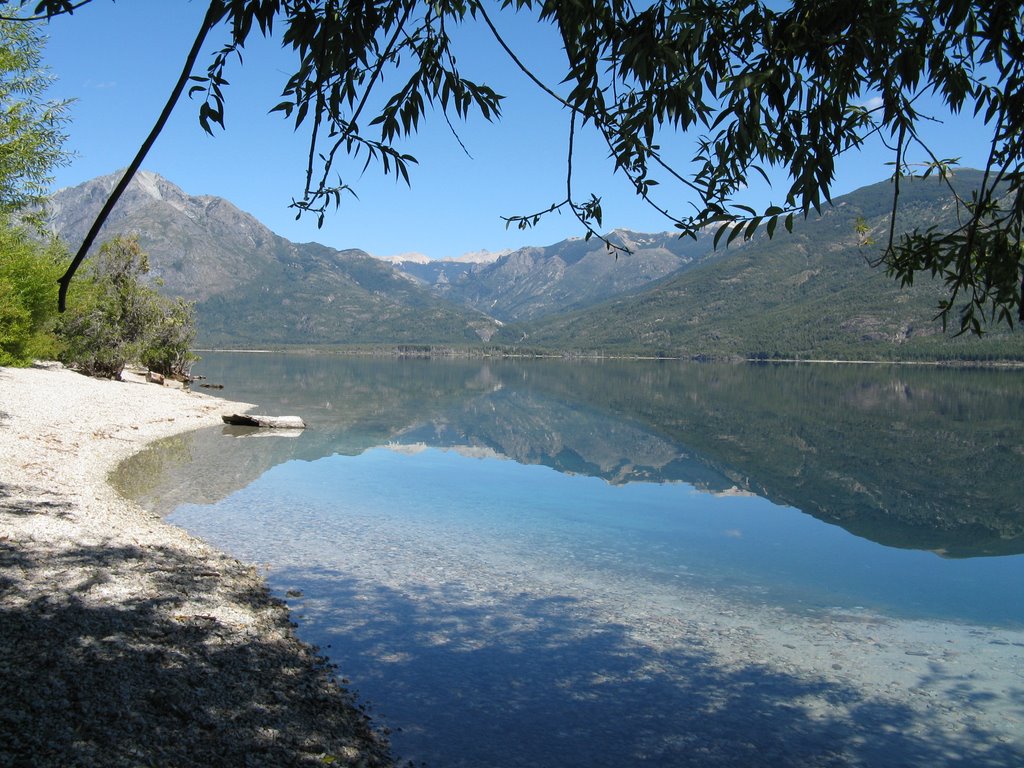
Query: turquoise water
(492,508)
(511,562)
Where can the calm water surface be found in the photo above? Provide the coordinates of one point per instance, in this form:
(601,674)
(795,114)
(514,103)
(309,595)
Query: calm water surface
(504,557)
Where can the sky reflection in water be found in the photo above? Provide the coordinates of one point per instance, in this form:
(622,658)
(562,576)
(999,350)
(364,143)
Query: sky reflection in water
(495,509)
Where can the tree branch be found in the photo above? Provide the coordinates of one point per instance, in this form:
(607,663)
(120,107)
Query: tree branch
(515,60)
(352,123)
(212,15)
(48,15)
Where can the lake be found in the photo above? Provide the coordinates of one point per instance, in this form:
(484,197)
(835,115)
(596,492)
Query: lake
(619,563)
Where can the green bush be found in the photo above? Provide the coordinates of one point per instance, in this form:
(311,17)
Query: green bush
(28,297)
(169,348)
(114,318)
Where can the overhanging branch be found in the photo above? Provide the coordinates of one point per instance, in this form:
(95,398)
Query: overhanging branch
(212,15)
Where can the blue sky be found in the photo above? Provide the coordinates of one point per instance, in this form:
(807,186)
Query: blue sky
(119,61)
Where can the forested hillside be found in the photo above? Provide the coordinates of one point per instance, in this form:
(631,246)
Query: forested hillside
(812,293)
(809,293)
(534,282)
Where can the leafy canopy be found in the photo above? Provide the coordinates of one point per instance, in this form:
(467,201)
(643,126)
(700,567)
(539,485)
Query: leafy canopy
(31,141)
(31,127)
(754,88)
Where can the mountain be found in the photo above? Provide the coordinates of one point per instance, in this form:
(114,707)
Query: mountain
(437,274)
(199,246)
(254,287)
(473,257)
(809,293)
(535,282)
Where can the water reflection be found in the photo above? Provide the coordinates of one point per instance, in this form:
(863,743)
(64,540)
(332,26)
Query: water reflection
(593,599)
(908,457)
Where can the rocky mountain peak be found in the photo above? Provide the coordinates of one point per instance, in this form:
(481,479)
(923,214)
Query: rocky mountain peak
(198,245)
(150,183)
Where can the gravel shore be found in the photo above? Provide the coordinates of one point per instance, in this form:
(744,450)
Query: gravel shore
(124,641)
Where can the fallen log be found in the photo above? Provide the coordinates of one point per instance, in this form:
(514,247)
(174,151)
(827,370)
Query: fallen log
(266,422)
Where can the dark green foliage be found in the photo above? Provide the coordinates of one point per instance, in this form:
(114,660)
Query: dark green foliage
(28,292)
(115,319)
(31,128)
(31,140)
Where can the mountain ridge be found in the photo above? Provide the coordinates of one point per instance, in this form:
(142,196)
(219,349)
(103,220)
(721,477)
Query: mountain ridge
(809,293)
(207,250)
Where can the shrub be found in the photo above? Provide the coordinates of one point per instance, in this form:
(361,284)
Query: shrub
(115,318)
(169,350)
(28,297)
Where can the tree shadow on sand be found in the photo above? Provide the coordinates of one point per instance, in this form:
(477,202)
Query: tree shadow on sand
(22,500)
(147,678)
(521,680)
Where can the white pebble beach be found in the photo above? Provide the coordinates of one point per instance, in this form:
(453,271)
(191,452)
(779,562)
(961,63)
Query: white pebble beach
(123,639)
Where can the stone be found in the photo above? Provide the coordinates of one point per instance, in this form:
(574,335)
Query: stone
(266,422)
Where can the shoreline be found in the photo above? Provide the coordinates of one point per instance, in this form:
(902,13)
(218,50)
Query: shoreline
(446,353)
(125,640)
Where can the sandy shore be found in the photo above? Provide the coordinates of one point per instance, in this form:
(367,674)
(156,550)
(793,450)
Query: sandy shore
(123,640)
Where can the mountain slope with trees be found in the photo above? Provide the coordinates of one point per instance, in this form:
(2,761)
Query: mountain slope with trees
(812,293)
(253,287)
(535,282)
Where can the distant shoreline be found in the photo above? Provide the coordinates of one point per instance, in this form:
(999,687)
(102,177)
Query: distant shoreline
(445,352)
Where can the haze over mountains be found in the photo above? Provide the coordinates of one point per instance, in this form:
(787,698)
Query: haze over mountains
(809,293)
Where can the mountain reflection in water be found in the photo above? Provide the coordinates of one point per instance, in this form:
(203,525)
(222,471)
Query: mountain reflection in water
(911,457)
(541,563)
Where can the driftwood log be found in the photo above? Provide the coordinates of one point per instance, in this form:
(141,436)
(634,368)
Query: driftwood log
(267,422)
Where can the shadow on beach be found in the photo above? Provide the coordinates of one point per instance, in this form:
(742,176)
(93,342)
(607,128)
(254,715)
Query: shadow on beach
(12,501)
(96,670)
(520,680)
